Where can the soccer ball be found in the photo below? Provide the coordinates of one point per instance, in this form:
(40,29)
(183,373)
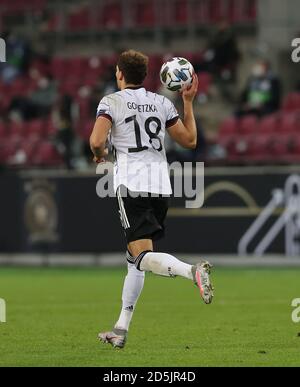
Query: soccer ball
(176,74)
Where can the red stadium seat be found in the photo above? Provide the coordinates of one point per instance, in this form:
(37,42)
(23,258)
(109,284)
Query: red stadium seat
(16,128)
(279,145)
(242,145)
(259,147)
(19,87)
(50,129)
(295,147)
(291,102)
(110,16)
(228,142)
(289,122)
(3,129)
(145,15)
(35,128)
(59,67)
(85,129)
(248,124)
(217,10)
(205,81)
(155,63)
(76,66)
(228,126)
(70,86)
(79,19)
(20,6)
(46,154)
(269,124)
(181,12)
(30,147)
(8,148)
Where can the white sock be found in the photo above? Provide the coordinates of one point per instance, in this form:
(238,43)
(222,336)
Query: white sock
(132,289)
(166,265)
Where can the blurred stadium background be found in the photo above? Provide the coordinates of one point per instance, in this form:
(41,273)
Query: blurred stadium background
(61,59)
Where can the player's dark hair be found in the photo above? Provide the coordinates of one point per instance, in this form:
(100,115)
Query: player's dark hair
(134,66)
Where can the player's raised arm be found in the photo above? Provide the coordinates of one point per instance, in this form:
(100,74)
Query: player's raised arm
(185,133)
(98,138)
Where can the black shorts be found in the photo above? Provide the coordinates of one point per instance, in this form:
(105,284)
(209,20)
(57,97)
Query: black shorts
(142,217)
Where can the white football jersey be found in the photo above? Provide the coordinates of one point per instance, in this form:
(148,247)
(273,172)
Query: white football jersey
(139,119)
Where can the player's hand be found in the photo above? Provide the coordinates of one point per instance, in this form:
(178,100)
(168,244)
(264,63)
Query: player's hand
(190,92)
(101,159)
(98,160)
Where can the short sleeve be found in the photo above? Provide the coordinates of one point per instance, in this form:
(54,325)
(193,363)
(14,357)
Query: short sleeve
(104,109)
(171,114)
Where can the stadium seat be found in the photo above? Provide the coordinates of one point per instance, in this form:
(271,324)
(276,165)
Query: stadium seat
(294,149)
(228,142)
(35,128)
(8,148)
(181,14)
(217,10)
(279,146)
(76,66)
(29,147)
(79,19)
(19,87)
(50,129)
(259,147)
(16,128)
(291,102)
(205,81)
(3,130)
(70,86)
(228,126)
(242,146)
(85,129)
(145,14)
(269,124)
(248,124)
(59,67)
(289,122)
(110,16)
(20,6)
(46,154)
(201,13)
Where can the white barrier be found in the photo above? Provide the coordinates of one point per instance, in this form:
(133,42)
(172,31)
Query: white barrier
(289,199)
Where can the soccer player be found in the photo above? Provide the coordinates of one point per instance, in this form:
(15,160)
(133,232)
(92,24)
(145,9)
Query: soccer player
(135,121)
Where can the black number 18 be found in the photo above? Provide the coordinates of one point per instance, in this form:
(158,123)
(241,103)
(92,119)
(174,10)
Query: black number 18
(152,135)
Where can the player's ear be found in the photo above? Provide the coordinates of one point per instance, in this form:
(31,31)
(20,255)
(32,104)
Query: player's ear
(119,74)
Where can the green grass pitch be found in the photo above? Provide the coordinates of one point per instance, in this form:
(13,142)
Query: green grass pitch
(54,315)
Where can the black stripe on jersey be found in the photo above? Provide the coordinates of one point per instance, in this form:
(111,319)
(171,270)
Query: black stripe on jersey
(107,116)
(134,87)
(172,122)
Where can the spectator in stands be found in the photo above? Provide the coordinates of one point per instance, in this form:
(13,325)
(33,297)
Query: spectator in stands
(221,59)
(222,55)
(107,84)
(262,93)
(62,117)
(39,103)
(18,53)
